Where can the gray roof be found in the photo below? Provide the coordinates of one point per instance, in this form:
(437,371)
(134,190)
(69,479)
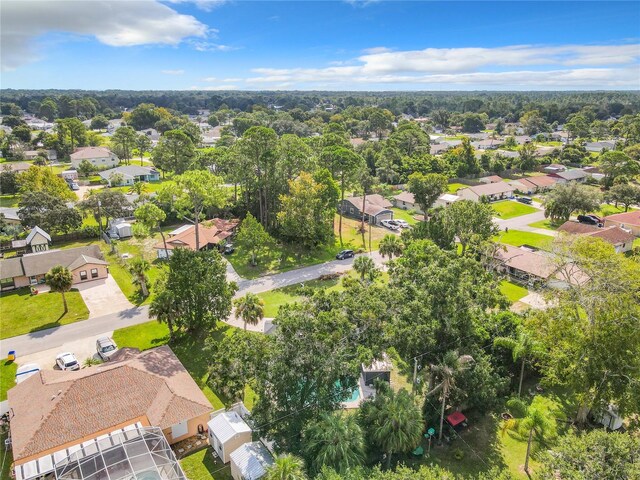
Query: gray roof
(35,230)
(41,262)
(10,213)
(128,171)
(87,153)
(83,260)
(252,460)
(573,174)
(227,425)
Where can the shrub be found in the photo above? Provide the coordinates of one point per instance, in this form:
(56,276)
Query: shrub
(517,407)
(90,231)
(458,454)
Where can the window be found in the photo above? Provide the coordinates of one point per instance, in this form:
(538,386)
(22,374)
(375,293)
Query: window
(351,210)
(83,274)
(94,273)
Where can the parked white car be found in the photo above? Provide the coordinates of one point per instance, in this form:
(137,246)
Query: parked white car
(67,361)
(106,347)
(390,224)
(401,223)
(26,370)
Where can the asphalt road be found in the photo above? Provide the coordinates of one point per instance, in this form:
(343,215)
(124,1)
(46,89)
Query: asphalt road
(56,337)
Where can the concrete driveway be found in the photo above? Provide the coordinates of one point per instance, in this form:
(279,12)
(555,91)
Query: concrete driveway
(103,297)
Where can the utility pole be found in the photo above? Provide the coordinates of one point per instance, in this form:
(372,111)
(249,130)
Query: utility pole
(415,374)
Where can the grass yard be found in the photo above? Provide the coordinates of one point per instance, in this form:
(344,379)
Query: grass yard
(606,209)
(190,349)
(149,187)
(7,459)
(454,187)
(518,238)
(288,257)
(406,215)
(7,378)
(7,201)
(512,291)
(201,465)
(506,209)
(274,299)
(23,313)
(547,224)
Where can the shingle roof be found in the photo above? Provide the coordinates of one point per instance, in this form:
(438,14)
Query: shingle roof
(612,234)
(211,232)
(573,174)
(86,153)
(542,180)
(53,408)
(252,460)
(405,197)
(628,218)
(526,261)
(127,171)
(227,425)
(374,204)
(41,262)
(11,267)
(490,179)
(35,230)
(491,188)
(84,260)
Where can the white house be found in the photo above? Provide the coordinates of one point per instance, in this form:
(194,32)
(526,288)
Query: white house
(130,174)
(446,199)
(490,191)
(250,461)
(100,157)
(227,432)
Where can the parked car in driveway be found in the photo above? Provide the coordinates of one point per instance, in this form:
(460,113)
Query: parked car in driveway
(526,200)
(67,361)
(590,220)
(26,370)
(344,254)
(74,186)
(229,249)
(106,347)
(401,223)
(390,224)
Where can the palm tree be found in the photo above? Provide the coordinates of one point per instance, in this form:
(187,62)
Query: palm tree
(539,423)
(336,441)
(138,187)
(365,266)
(523,347)
(397,422)
(163,307)
(139,268)
(250,309)
(286,467)
(451,364)
(390,246)
(60,280)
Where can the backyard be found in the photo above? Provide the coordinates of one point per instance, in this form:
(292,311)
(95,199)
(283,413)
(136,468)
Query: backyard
(506,209)
(201,465)
(513,291)
(454,187)
(518,238)
(24,313)
(406,215)
(7,378)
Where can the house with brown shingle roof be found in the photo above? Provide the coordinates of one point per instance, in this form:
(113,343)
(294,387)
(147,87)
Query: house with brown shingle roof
(621,239)
(212,233)
(627,220)
(376,208)
(490,191)
(54,411)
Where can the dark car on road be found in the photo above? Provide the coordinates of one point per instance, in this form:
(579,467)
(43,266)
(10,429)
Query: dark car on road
(345,254)
(590,220)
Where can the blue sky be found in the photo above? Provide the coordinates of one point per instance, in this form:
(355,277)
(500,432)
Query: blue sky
(336,45)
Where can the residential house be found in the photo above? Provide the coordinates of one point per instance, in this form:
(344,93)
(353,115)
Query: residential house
(490,179)
(60,413)
(10,215)
(531,267)
(69,175)
(554,168)
(490,191)
(376,208)
(227,432)
(129,174)
(522,139)
(573,175)
(99,157)
(600,146)
(621,239)
(37,241)
(508,153)
(250,461)
(406,201)
(627,220)
(213,234)
(378,370)
(487,144)
(17,167)
(152,133)
(446,199)
(85,263)
(542,182)
(439,148)
(523,185)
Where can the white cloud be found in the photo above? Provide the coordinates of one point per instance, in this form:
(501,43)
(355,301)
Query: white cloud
(206,5)
(585,66)
(215,88)
(205,46)
(114,23)
(173,72)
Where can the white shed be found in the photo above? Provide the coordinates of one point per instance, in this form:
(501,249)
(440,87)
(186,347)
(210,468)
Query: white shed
(118,229)
(250,461)
(610,418)
(227,431)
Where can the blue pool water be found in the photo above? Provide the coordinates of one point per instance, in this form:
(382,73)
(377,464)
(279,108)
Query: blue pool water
(355,395)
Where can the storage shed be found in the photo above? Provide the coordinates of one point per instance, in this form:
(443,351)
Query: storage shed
(250,461)
(227,431)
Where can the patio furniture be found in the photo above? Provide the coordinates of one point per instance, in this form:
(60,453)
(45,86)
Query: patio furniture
(418,452)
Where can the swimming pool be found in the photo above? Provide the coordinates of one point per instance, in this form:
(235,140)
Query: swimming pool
(355,394)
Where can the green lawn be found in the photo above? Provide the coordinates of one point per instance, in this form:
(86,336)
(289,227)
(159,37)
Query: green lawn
(201,465)
(544,224)
(8,459)
(513,291)
(23,313)
(149,187)
(518,238)
(190,349)
(288,257)
(406,215)
(606,209)
(7,378)
(274,299)
(453,187)
(506,209)
(9,200)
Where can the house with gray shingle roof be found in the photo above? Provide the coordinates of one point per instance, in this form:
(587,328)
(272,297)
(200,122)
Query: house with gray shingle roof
(129,174)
